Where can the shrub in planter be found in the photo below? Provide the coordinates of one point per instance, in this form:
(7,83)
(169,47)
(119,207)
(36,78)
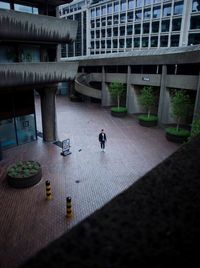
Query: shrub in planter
(180,105)
(195,127)
(148,101)
(24,174)
(116,90)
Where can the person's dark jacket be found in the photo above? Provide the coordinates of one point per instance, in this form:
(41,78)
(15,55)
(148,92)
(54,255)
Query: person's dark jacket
(101,137)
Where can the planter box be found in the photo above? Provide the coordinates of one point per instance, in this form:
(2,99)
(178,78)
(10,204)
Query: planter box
(118,114)
(148,123)
(175,138)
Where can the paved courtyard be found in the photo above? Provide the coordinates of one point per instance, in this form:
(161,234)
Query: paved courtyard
(92,178)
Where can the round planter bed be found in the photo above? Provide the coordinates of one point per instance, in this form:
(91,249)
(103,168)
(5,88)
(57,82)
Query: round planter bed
(144,121)
(177,138)
(121,112)
(24,174)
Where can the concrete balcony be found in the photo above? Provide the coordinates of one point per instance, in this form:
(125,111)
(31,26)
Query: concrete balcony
(20,26)
(82,86)
(18,74)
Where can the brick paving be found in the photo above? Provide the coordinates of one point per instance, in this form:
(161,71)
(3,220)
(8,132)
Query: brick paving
(92,178)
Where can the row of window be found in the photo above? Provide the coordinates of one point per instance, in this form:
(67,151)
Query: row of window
(156,11)
(144,28)
(22,8)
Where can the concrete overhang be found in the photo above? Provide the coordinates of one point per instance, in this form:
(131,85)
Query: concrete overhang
(19,26)
(44,2)
(183,55)
(20,74)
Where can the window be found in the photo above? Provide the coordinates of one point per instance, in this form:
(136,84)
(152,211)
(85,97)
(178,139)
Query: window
(145,41)
(167,10)
(147,13)
(103,10)
(122,31)
(98,23)
(92,45)
(130,4)
(178,8)
(103,22)
(26,9)
(114,43)
(154,41)
(102,43)
(123,5)
(109,20)
(194,39)
(195,22)
(109,9)
(116,19)
(93,13)
(116,6)
(176,24)
(195,6)
(129,42)
(138,3)
(156,12)
(121,43)
(123,18)
(108,32)
(147,2)
(115,31)
(98,11)
(175,40)
(155,27)
(129,29)
(146,28)
(4,5)
(103,33)
(165,26)
(137,28)
(108,43)
(136,42)
(92,34)
(97,44)
(138,15)
(97,34)
(164,41)
(130,17)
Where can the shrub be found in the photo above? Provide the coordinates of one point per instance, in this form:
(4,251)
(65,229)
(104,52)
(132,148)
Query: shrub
(147,118)
(116,90)
(23,169)
(119,109)
(179,132)
(147,98)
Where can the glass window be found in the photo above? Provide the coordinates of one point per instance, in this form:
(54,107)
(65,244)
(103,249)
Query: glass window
(103,33)
(116,19)
(167,10)
(147,2)
(122,31)
(123,5)
(130,4)
(115,42)
(109,9)
(115,31)
(154,41)
(123,18)
(102,43)
(116,6)
(137,28)
(26,9)
(97,34)
(109,32)
(103,22)
(165,26)
(157,1)
(194,39)
(25,126)
(139,3)
(136,42)
(108,42)
(195,22)
(92,24)
(92,34)
(155,26)
(103,10)
(176,24)
(121,43)
(146,28)
(164,41)
(156,12)
(195,6)
(7,133)
(128,42)
(93,13)
(178,8)
(109,20)
(175,40)
(138,15)
(129,29)
(98,23)
(98,11)
(145,41)
(130,17)
(4,5)
(97,44)
(147,13)
(92,44)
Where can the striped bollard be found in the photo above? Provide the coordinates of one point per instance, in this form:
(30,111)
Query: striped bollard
(48,190)
(69,207)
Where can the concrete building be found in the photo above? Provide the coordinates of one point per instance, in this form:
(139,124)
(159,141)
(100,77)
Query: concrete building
(141,42)
(30,33)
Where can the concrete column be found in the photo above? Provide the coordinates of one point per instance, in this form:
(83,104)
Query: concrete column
(185,25)
(106,99)
(164,100)
(197,101)
(48,112)
(128,87)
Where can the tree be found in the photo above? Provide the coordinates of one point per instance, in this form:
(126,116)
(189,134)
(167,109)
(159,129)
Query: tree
(195,126)
(116,90)
(180,105)
(147,98)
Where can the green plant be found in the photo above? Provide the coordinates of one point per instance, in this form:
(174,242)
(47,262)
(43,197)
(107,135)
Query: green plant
(147,118)
(116,90)
(119,109)
(195,127)
(23,169)
(147,98)
(180,132)
(180,105)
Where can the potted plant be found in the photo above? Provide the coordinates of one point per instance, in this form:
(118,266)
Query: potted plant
(180,104)
(116,90)
(147,99)
(195,127)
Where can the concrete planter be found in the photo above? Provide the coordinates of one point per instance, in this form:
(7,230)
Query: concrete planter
(175,138)
(148,123)
(118,114)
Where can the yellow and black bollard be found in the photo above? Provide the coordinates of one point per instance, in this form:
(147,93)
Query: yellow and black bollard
(69,207)
(48,190)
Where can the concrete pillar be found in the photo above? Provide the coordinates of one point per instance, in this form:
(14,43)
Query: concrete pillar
(128,87)
(164,99)
(48,112)
(197,101)
(106,99)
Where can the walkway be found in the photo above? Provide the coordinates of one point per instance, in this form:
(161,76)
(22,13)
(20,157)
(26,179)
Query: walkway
(92,178)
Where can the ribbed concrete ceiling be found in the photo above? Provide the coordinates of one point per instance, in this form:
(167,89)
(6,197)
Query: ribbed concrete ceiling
(44,2)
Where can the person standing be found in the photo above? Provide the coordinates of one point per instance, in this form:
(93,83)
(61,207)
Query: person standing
(102,139)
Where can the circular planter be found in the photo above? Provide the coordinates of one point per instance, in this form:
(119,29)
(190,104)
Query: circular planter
(176,138)
(148,123)
(21,179)
(119,113)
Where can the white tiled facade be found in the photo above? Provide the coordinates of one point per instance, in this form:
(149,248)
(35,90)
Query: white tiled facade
(124,25)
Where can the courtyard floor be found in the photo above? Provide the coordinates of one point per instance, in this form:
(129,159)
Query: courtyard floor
(28,222)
